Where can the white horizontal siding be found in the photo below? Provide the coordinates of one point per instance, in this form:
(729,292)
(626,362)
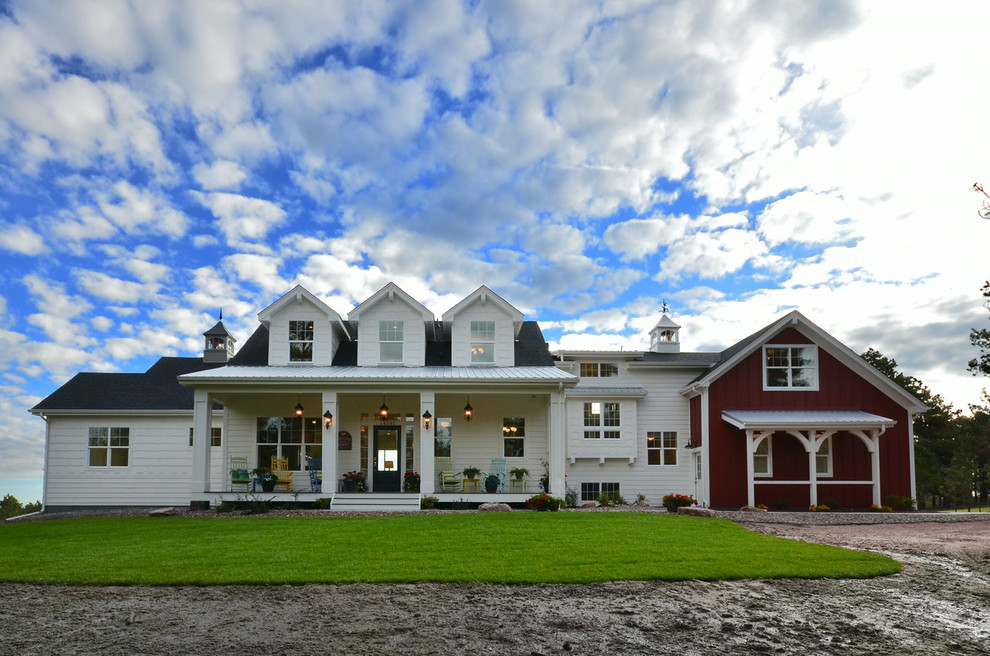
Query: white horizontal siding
(324,341)
(460,335)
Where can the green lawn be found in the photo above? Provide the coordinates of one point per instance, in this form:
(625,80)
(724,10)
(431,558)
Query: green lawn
(489,547)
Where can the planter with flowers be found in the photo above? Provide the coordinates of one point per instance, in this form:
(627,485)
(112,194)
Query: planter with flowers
(674,501)
(265,478)
(492,482)
(410,482)
(543,502)
(354,481)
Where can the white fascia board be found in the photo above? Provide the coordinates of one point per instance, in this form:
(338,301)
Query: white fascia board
(591,355)
(297,294)
(391,291)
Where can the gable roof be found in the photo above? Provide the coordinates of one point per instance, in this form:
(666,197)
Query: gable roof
(484,295)
(390,292)
(155,390)
(733,355)
(298,294)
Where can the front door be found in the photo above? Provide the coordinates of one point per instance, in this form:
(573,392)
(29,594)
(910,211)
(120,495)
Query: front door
(385,464)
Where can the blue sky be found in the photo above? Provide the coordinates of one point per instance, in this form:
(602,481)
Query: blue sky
(161,161)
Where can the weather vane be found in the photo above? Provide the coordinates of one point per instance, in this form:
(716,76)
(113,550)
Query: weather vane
(984,211)
(663,306)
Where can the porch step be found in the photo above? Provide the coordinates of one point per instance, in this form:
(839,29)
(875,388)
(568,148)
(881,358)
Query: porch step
(375,502)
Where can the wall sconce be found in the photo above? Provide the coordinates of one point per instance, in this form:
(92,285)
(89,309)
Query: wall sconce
(468,410)
(299,408)
(427,419)
(327,419)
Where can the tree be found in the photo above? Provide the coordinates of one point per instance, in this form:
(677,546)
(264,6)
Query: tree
(11,507)
(934,433)
(980,338)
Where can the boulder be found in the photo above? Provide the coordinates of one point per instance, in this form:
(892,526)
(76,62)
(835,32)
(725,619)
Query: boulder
(752,509)
(495,507)
(695,511)
(163,512)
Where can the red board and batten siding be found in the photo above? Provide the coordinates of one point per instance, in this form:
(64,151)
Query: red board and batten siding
(741,388)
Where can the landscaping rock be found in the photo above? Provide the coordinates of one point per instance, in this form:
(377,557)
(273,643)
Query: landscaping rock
(752,509)
(695,511)
(163,512)
(495,507)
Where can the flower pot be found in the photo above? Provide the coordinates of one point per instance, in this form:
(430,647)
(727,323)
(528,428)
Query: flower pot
(491,487)
(268,486)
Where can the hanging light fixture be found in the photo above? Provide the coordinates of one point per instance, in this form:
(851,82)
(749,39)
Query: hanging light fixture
(299,408)
(426,419)
(383,411)
(468,410)
(327,419)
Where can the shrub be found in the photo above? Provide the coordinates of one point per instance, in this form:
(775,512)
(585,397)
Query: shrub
(355,481)
(410,482)
(674,501)
(900,503)
(322,503)
(781,503)
(605,499)
(428,502)
(820,508)
(571,497)
(762,506)
(544,502)
(833,504)
(876,508)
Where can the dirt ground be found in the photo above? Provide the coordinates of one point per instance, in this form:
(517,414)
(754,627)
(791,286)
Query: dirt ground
(938,604)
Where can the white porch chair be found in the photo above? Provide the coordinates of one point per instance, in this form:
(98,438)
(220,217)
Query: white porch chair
(447,478)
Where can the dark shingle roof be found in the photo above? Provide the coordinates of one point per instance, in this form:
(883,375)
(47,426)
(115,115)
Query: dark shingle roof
(156,389)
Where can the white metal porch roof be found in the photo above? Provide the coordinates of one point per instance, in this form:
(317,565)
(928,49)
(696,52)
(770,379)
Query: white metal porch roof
(548,374)
(805,419)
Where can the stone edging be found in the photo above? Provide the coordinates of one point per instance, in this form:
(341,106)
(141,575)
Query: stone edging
(838,518)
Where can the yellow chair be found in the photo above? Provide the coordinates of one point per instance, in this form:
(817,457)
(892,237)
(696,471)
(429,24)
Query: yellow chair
(280,467)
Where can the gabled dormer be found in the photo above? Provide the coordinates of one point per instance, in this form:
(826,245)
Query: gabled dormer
(664,337)
(392,329)
(483,328)
(219,345)
(302,330)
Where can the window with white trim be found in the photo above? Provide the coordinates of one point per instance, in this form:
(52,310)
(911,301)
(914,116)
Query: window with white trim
(109,447)
(591,491)
(300,341)
(661,448)
(602,420)
(390,341)
(483,342)
(513,437)
(215,439)
(599,369)
(823,458)
(763,458)
(289,437)
(790,367)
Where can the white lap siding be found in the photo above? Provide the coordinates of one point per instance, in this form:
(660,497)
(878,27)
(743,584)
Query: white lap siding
(158,471)
(663,409)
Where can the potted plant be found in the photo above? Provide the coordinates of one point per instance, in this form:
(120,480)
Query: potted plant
(410,482)
(674,501)
(518,473)
(355,481)
(472,472)
(492,481)
(266,478)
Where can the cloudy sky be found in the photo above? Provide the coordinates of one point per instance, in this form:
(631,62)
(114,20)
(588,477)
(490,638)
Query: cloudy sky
(162,160)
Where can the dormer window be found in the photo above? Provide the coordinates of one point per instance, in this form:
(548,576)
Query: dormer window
(390,341)
(790,367)
(300,341)
(482,342)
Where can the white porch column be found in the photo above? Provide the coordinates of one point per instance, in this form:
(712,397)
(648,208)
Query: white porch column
(750,485)
(427,475)
(202,424)
(875,453)
(330,443)
(813,468)
(556,439)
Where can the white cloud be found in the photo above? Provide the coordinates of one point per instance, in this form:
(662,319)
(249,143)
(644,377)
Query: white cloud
(242,219)
(113,289)
(221,174)
(22,239)
(131,209)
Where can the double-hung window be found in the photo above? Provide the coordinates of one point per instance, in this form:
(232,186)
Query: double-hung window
(790,367)
(300,341)
(661,448)
(513,434)
(109,447)
(762,458)
(390,341)
(288,437)
(599,369)
(482,342)
(592,491)
(823,458)
(602,420)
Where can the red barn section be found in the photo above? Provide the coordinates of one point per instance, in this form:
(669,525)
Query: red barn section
(840,388)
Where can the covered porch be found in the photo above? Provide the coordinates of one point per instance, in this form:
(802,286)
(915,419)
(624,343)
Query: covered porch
(384,433)
(836,447)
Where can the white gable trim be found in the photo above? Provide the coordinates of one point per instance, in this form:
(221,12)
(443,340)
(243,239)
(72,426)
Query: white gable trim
(390,292)
(299,294)
(485,295)
(825,341)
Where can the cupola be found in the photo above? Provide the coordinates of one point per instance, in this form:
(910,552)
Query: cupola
(664,336)
(219,344)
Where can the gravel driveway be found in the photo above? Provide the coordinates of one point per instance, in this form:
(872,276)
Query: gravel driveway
(939,603)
